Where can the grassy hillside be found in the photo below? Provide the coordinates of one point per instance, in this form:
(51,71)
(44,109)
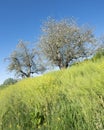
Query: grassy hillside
(71,99)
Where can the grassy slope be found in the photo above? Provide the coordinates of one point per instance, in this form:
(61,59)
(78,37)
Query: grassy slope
(71,99)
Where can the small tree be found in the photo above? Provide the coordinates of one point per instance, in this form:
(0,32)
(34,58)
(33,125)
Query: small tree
(9,81)
(24,61)
(64,41)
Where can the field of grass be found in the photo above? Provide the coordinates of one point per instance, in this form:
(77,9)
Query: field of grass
(70,99)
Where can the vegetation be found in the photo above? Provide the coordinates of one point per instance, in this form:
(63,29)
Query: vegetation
(9,81)
(62,41)
(25,62)
(99,54)
(70,99)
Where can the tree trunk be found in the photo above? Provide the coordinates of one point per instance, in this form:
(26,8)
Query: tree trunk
(62,66)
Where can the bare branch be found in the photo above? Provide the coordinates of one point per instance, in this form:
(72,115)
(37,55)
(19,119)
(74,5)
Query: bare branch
(64,40)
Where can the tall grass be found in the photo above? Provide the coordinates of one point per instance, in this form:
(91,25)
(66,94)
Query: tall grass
(71,99)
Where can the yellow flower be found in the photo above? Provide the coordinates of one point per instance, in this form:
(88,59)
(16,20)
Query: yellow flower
(10,125)
(18,126)
(58,119)
(45,124)
(38,126)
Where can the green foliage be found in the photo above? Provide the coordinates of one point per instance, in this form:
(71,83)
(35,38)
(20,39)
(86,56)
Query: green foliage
(9,81)
(98,55)
(71,99)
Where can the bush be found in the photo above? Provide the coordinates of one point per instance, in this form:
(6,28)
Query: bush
(9,81)
(99,54)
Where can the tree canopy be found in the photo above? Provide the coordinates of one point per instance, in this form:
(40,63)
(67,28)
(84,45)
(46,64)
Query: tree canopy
(24,61)
(63,41)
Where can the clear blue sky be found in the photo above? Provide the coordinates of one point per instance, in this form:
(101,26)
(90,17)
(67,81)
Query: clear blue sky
(22,19)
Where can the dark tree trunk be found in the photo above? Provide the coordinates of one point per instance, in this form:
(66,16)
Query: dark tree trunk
(62,66)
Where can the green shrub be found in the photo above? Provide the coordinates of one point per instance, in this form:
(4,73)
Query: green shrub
(9,81)
(99,54)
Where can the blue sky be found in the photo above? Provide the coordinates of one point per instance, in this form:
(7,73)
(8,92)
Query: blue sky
(22,19)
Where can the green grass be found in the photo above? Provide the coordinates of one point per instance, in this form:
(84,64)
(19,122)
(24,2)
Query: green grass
(71,99)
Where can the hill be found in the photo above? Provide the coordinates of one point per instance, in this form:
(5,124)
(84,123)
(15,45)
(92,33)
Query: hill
(70,99)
